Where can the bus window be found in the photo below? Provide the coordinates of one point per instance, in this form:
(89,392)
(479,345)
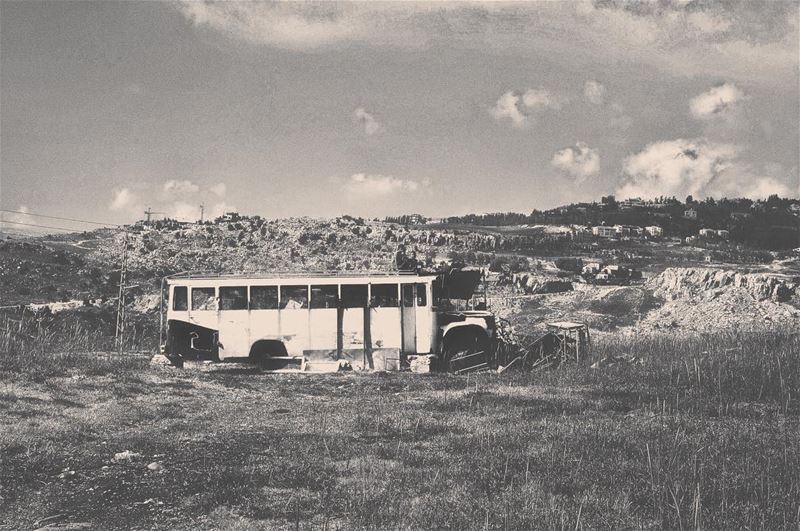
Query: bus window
(233,298)
(354,295)
(263,297)
(422,295)
(294,297)
(203,299)
(180,299)
(408,295)
(324,296)
(384,296)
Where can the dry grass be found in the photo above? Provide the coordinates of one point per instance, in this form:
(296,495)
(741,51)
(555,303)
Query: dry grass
(705,433)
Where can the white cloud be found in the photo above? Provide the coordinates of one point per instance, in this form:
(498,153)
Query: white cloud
(124,199)
(375,186)
(173,188)
(580,161)
(594,92)
(518,108)
(507,106)
(694,167)
(219,190)
(279,24)
(541,98)
(731,40)
(367,121)
(719,101)
(706,23)
(763,187)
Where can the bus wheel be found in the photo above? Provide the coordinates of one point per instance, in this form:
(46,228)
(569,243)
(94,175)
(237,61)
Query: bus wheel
(461,347)
(262,353)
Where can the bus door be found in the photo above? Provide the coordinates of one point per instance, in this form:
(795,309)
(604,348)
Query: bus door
(294,318)
(385,326)
(409,318)
(234,322)
(354,310)
(425,320)
(323,324)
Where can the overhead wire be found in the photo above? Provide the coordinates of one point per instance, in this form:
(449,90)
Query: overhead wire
(60,218)
(37,225)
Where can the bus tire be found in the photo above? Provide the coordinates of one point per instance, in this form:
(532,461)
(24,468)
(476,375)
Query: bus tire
(262,351)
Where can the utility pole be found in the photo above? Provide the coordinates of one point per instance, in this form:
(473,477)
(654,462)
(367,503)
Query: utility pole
(202,211)
(120,332)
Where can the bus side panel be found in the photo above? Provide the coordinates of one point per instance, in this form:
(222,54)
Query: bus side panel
(294,329)
(386,333)
(264,324)
(353,337)
(234,334)
(321,335)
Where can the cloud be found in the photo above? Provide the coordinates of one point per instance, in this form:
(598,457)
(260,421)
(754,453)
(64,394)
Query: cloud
(750,40)
(367,121)
(763,187)
(519,107)
(709,24)
(719,101)
(580,161)
(124,199)
(694,167)
(594,92)
(173,188)
(507,106)
(219,190)
(376,186)
(542,99)
(279,24)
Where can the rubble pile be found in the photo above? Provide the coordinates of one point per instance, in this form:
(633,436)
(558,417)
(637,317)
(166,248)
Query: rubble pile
(705,299)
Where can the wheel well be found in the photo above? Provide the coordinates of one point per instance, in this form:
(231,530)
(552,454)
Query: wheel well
(267,348)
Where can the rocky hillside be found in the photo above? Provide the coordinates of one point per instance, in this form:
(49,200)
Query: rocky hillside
(685,282)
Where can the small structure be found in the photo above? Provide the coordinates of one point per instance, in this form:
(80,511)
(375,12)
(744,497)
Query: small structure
(573,340)
(654,231)
(690,214)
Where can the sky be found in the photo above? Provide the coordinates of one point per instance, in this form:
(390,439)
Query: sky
(376,109)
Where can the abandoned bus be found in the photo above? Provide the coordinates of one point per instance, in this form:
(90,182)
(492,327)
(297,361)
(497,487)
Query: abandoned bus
(309,323)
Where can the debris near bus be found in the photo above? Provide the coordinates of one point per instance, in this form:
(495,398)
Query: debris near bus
(563,342)
(610,275)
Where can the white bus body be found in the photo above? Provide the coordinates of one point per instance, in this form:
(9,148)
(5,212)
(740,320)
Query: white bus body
(371,321)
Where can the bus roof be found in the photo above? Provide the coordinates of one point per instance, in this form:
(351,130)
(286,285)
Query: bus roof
(380,277)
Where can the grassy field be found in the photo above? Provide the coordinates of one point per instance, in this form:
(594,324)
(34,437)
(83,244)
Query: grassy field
(703,432)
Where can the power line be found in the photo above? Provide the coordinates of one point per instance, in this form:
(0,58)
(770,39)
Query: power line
(57,217)
(37,225)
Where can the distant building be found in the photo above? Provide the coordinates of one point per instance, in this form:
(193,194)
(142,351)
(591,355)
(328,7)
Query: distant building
(738,216)
(634,202)
(655,231)
(690,214)
(603,231)
(628,230)
(723,234)
(415,219)
(711,234)
(707,233)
